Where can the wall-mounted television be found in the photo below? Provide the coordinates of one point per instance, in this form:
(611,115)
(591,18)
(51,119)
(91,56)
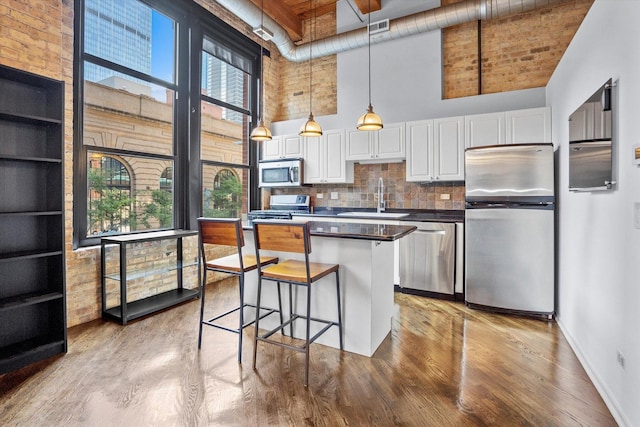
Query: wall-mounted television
(590,143)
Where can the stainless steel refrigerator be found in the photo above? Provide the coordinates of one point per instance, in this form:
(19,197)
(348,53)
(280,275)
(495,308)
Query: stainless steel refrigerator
(510,228)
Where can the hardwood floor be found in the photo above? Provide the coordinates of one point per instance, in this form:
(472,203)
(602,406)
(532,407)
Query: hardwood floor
(442,365)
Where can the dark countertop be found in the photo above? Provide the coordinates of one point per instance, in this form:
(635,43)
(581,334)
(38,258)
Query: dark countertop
(352,230)
(419,215)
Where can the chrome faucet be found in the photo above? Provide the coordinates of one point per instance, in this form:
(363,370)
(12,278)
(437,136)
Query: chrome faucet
(381,204)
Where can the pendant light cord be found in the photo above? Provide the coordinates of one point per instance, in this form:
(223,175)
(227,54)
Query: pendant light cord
(310,55)
(369,39)
(261,106)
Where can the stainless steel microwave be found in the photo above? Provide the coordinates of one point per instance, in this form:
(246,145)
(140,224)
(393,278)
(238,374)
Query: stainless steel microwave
(281,173)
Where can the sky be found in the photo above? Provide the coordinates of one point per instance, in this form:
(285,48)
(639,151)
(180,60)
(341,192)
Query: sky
(162,43)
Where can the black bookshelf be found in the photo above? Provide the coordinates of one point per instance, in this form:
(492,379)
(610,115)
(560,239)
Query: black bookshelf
(32,274)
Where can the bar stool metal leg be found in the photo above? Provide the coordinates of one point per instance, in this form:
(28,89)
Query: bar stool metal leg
(257,323)
(339,308)
(202,286)
(241,327)
(308,335)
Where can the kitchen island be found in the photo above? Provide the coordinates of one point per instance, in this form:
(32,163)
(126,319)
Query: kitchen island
(365,254)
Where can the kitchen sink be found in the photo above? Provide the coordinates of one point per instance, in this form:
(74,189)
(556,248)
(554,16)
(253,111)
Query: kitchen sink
(374,214)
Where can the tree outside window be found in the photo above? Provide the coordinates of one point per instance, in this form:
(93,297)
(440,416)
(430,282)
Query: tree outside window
(109,204)
(224,200)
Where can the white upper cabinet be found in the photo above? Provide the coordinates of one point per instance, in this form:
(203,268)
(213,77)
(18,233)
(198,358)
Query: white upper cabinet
(283,147)
(435,150)
(510,127)
(386,144)
(325,161)
(526,126)
(589,122)
(484,129)
(419,149)
(448,153)
(391,141)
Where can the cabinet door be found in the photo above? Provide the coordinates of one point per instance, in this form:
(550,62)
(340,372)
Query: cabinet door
(292,146)
(271,149)
(484,129)
(360,145)
(448,149)
(391,143)
(531,125)
(336,168)
(419,149)
(314,161)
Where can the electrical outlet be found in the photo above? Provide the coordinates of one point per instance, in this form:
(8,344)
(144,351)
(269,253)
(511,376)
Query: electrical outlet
(319,196)
(620,358)
(445,197)
(335,195)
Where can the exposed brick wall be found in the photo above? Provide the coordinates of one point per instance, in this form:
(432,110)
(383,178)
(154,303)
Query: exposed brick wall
(293,79)
(518,52)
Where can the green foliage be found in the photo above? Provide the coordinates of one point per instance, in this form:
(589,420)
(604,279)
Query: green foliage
(107,212)
(226,199)
(160,208)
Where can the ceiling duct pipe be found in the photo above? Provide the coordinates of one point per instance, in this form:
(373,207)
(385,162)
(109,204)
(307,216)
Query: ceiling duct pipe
(429,20)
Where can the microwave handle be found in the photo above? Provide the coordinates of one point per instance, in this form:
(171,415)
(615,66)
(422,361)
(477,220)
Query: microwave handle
(291,176)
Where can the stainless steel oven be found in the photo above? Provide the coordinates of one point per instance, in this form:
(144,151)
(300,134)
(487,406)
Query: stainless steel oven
(282,206)
(281,173)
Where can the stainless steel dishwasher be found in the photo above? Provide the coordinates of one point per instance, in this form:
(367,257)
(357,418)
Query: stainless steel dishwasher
(427,259)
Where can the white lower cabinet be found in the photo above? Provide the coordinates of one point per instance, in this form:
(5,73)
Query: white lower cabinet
(325,161)
(435,150)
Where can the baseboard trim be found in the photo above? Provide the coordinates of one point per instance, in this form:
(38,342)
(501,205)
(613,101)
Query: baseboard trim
(602,388)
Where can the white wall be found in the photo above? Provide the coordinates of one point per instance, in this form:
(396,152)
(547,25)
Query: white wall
(406,77)
(599,248)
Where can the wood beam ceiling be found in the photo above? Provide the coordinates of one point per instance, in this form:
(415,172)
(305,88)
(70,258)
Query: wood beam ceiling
(363,5)
(290,14)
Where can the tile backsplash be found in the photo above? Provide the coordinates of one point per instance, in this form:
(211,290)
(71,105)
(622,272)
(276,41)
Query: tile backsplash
(398,193)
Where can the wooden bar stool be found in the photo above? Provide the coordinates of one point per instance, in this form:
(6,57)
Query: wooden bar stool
(292,237)
(228,232)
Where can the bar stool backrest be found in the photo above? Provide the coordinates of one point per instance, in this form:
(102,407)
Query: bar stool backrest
(221,231)
(283,236)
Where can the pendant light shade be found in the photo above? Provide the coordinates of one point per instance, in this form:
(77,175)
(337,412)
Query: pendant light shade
(311,127)
(369,120)
(261,132)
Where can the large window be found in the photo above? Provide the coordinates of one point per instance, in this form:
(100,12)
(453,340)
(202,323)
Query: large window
(144,158)
(225,119)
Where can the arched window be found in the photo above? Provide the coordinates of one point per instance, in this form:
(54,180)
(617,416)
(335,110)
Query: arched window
(225,199)
(109,204)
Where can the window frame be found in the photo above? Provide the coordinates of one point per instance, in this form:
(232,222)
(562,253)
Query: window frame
(192,22)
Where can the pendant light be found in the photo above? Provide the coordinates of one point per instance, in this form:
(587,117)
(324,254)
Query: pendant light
(311,127)
(369,120)
(261,132)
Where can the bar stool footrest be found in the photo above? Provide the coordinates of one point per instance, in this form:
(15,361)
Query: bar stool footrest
(265,337)
(211,321)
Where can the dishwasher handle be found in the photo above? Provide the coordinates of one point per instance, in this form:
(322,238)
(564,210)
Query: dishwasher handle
(431,231)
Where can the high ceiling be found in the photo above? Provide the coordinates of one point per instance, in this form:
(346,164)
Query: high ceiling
(290,14)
